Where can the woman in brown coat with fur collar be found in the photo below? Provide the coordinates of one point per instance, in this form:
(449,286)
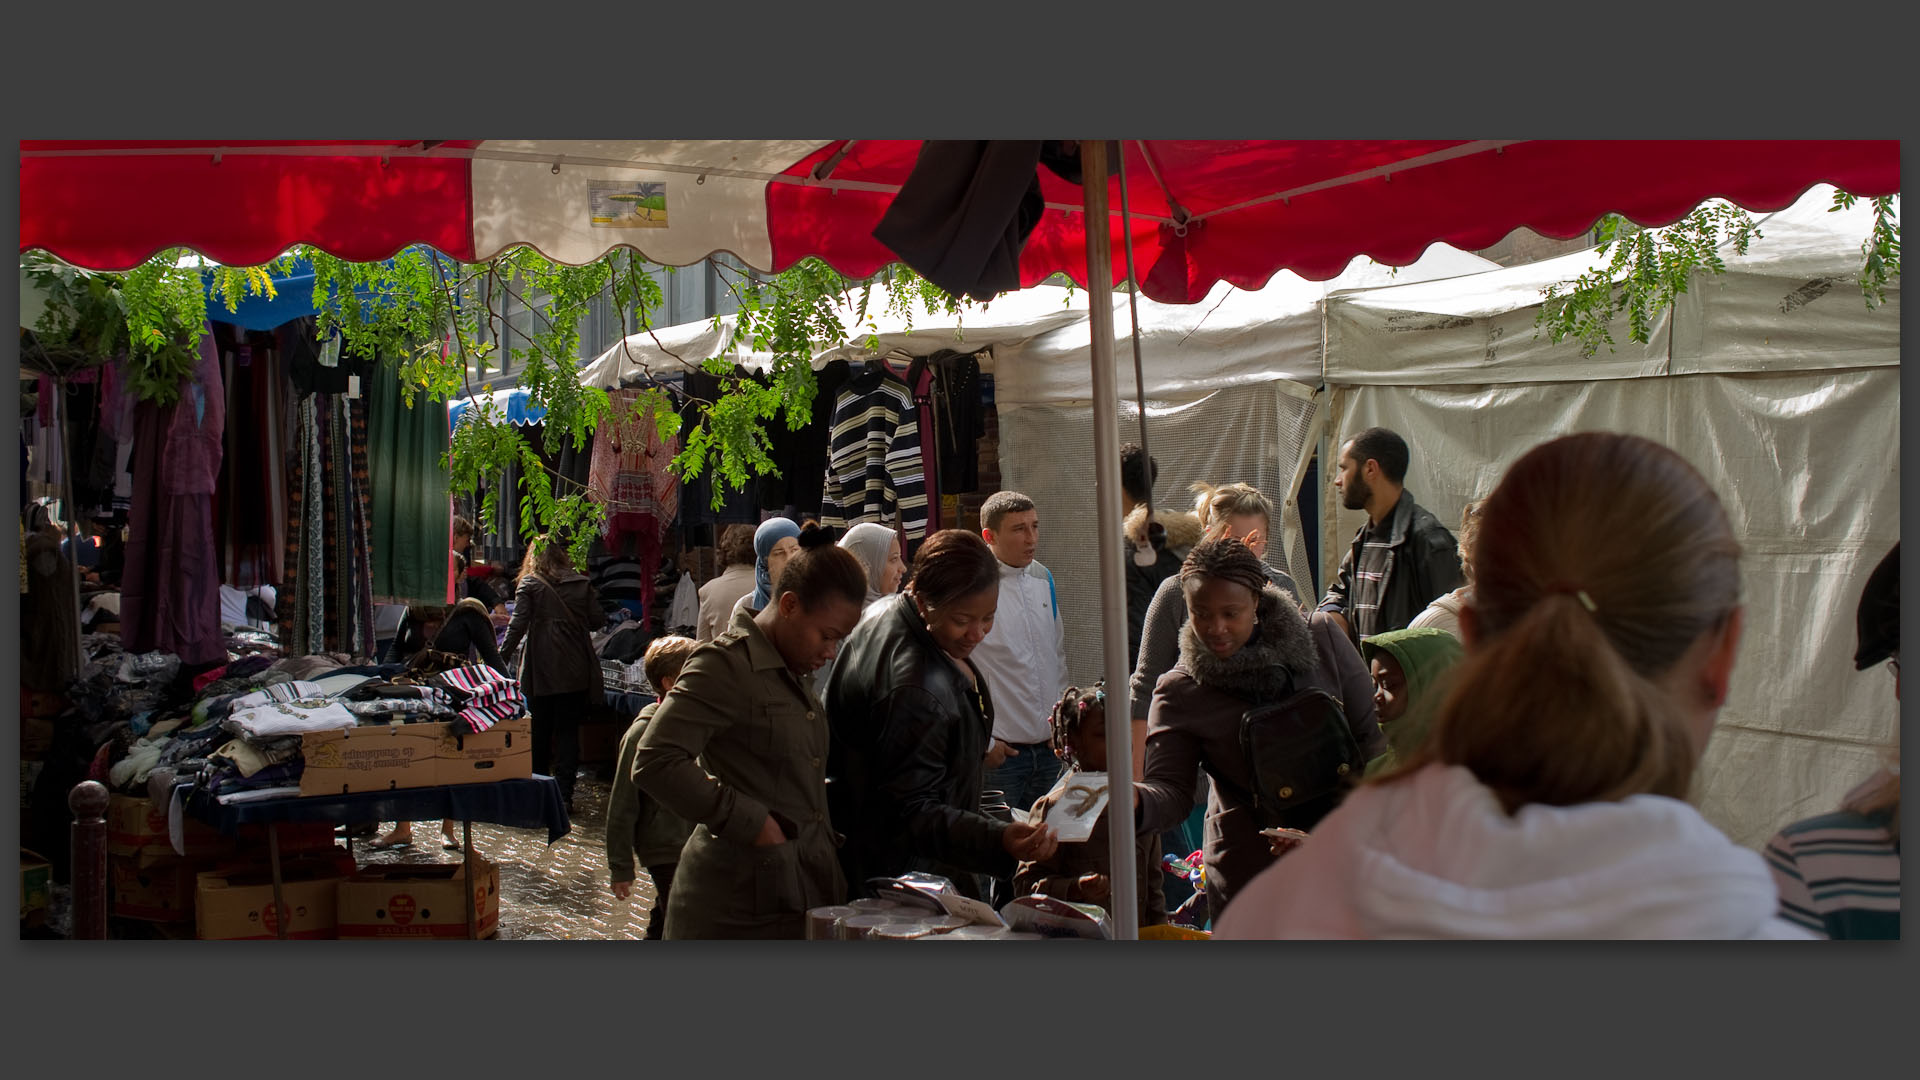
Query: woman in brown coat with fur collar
(1245,643)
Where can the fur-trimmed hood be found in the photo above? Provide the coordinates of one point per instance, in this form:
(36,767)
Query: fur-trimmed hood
(470,602)
(1182,529)
(1269,666)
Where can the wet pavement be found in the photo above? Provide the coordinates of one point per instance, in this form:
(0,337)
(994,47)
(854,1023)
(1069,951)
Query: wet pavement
(546,892)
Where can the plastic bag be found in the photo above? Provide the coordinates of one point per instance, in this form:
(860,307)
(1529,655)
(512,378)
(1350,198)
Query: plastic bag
(1083,798)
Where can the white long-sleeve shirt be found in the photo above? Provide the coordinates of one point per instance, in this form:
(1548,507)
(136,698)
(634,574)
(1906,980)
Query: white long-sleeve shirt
(1024,657)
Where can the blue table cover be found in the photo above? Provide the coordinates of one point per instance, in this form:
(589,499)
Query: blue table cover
(517,804)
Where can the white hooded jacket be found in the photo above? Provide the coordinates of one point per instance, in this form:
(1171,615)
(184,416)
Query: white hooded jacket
(1435,856)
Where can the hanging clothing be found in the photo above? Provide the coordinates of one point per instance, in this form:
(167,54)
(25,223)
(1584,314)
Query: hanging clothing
(696,503)
(408,494)
(170,592)
(960,420)
(966,209)
(799,454)
(329,604)
(874,471)
(631,474)
(631,471)
(250,541)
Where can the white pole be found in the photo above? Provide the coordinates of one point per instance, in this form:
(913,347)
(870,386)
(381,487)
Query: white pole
(1124,903)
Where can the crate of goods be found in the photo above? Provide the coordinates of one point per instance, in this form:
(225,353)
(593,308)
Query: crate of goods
(235,903)
(502,752)
(400,902)
(154,886)
(371,757)
(36,887)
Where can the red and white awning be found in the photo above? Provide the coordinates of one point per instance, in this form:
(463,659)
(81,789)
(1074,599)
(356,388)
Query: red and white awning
(1203,211)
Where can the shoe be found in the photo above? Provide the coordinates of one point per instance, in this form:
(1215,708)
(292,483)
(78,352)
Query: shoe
(451,843)
(389,841)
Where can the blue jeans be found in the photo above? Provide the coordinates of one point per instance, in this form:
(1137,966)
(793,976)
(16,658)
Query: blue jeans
(1026,778)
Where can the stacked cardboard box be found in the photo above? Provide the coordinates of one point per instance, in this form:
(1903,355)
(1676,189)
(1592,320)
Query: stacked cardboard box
(398,902)
(235,903)
(149,880)
(381,757)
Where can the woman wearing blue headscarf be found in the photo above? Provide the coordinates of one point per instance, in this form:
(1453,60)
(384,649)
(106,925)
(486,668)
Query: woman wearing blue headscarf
(774,542)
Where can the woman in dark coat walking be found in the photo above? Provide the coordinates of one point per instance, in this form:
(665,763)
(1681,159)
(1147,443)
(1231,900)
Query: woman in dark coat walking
(912,719)
(555,612)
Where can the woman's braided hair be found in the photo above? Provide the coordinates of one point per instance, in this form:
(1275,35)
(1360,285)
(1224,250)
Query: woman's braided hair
(1225,558)
(1074,707)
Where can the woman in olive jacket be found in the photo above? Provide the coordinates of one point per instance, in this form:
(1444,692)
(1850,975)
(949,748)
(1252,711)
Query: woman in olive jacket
(1245,643)
(912,720)
(739,748)
(555,612)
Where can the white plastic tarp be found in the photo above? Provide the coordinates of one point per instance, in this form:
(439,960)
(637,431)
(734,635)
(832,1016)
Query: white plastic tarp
(1008,319)
(1793,302)
(1232,338)
(1774,379)
(1807,466)
(1247,434)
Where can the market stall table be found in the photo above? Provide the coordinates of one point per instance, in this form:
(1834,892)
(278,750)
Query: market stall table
(517,804)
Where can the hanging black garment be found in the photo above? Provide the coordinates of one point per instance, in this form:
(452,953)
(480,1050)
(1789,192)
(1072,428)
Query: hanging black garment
(959,415)
(966,210)
(696,495)
(801,455)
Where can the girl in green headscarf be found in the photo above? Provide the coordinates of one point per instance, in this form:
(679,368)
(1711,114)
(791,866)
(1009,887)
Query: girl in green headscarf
(1409,669)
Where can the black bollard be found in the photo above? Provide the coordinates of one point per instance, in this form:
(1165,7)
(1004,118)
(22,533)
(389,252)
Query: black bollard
(88,801)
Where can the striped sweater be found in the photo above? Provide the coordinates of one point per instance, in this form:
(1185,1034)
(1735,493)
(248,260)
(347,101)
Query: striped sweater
(1839,874)
(874,471)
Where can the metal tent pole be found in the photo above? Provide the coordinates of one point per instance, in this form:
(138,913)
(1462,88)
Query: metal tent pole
(1124,902)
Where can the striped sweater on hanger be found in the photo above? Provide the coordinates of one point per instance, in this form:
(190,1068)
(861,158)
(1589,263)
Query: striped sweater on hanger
(874,470)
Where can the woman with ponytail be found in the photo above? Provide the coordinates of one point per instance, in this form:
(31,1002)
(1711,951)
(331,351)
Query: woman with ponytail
(1548,800)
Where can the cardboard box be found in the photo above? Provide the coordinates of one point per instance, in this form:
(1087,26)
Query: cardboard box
(136,829)
(153,887)
(399,902)
(135,826)
(235,903)
(503,752)
(36,886)
(374,757)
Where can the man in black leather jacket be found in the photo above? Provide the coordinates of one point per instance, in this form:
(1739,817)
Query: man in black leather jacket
(911,719)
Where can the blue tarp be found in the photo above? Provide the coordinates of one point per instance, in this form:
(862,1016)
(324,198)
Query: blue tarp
(514,401)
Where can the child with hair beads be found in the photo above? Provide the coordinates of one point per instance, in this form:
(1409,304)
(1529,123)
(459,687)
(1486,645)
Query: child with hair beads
(635,823)
(1082,872)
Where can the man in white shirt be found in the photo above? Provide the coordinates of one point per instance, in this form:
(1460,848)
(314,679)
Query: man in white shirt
(1024,656)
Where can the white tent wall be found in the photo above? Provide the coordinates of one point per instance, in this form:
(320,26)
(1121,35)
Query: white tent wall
(1803,466)
(1251,434)
(1773,379)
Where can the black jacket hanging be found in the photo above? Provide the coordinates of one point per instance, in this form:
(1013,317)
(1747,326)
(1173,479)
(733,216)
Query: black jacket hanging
(966,210)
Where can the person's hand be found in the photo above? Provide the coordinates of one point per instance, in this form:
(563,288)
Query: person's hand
(1030,843)
(998,752)
(622,889)
(770,834)
(1095,888)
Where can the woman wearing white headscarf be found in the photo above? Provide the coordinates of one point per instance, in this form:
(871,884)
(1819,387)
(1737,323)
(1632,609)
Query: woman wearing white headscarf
(878,549)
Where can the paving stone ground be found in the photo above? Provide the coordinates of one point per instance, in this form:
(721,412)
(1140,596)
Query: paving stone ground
(546,892)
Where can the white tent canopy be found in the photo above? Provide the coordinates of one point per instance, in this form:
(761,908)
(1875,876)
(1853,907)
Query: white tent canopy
(1774,379)
(1009,319)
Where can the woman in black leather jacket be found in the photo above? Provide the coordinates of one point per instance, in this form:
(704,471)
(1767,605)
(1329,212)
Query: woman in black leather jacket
(912,719)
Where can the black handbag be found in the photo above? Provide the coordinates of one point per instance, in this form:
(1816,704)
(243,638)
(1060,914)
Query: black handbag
(1302,757)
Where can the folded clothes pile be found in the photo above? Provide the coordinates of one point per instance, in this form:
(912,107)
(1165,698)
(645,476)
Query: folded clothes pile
(484,696)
